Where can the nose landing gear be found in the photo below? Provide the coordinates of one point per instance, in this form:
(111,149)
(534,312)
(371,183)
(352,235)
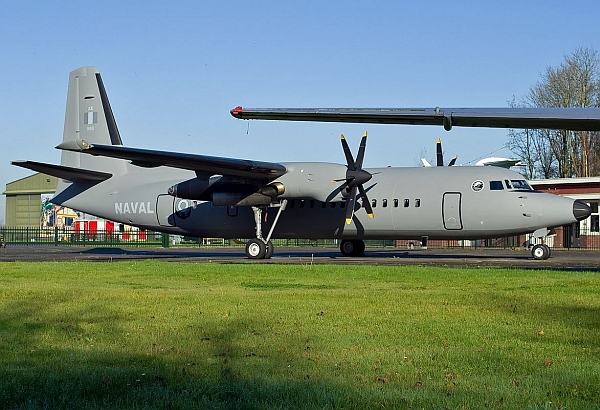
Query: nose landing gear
(541,251)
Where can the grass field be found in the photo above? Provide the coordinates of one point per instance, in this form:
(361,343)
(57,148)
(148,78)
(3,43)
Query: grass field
(250,336)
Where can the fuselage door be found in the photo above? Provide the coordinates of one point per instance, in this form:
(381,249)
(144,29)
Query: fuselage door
(451,212)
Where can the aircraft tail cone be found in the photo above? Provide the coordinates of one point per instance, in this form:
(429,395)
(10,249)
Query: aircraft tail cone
(581,210)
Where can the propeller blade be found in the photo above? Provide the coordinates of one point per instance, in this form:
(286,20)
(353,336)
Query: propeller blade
(361,151)
(439,155)
(365,201)
(453,160)
(347,153)
(350,202)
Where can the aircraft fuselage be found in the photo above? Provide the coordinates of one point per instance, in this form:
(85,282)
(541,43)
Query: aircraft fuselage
(408,203)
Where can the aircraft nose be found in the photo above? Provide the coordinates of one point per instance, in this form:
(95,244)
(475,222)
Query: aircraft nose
(581,210)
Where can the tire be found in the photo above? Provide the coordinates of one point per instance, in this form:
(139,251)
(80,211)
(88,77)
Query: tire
(352,248)
(548,250)
(540,252)
(256,249)
(269,250)
(347,248)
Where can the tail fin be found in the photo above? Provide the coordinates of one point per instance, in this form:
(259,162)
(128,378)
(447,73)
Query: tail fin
(89,117)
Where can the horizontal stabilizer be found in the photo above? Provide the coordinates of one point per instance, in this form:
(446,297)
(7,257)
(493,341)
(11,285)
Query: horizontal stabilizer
(255,170)
(64,172)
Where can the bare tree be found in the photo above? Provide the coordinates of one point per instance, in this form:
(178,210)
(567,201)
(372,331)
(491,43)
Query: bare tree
(533,148)
(562,153)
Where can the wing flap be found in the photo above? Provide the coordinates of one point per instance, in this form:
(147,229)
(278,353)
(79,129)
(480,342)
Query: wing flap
(64,172)
(201,163)
(576,119)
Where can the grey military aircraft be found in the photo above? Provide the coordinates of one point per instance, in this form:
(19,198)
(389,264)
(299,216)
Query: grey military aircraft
(204,196)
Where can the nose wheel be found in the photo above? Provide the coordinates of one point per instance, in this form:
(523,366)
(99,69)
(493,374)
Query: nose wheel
(540,251)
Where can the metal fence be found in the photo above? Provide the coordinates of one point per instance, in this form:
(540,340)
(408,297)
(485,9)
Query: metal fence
(565,237)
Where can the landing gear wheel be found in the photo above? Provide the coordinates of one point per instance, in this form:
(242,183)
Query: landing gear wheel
(540,252)
(352,248)
(256,249)
(269,250)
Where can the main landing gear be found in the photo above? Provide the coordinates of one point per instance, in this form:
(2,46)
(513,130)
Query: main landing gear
(259,247)
(352,248)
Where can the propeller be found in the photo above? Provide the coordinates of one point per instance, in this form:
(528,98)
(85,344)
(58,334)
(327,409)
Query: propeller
(355,178)
(439,156)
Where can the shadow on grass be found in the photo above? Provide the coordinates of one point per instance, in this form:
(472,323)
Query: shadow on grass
(56,364)
(54,355)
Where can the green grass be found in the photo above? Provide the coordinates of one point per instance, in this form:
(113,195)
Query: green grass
(251,336)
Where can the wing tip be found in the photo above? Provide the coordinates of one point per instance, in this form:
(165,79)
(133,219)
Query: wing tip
(237,111)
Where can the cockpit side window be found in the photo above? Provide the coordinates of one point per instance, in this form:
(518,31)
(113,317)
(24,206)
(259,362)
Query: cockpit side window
(520,184)
(507,183)
(496,186)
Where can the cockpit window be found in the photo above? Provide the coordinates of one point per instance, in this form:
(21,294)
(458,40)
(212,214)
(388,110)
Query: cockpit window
(520,184)
(507,183)
(496,186)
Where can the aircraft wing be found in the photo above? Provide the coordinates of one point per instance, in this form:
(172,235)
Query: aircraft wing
(254,170)
(576,119)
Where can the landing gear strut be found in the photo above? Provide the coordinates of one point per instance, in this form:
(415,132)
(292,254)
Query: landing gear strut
(352,248)
(259,247)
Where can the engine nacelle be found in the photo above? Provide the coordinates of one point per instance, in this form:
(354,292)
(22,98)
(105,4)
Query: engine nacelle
(320,181)
(190,189)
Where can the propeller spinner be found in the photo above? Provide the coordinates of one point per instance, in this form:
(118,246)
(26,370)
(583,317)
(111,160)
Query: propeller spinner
(355,178)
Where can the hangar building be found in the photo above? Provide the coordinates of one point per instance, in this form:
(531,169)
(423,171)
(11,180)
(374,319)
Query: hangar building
(24,200)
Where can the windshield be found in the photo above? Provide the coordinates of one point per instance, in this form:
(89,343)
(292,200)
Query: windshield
(520,184)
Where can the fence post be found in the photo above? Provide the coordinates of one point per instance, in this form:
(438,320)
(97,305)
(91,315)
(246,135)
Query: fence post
(165,240)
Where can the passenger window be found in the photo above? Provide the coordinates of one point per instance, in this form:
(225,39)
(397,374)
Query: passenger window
(496,186)
(395,203)
(323,204)
(384,203)
(508,185)
(406,203)
(373,203)
(312,203)
(333,204)
(302,203)
(291,203)
(417,203)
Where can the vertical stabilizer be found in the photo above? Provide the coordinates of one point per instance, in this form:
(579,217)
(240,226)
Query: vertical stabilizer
(89,117)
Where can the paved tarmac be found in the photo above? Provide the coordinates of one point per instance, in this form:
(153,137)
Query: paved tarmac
(575,259)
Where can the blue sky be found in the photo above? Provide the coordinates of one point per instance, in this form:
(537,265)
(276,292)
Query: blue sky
(174,70)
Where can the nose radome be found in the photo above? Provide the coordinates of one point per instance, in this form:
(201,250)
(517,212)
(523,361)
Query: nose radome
(581,210)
